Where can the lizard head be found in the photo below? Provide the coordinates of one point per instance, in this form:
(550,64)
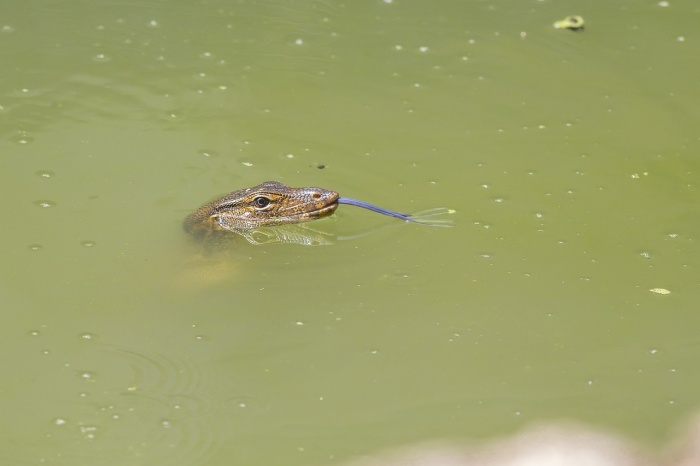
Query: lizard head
(269,203)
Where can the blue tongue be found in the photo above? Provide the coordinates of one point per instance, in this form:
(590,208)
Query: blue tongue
(374,208)
(418,217)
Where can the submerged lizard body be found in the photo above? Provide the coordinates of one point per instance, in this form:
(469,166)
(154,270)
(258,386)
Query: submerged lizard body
(267,204)
(265,214)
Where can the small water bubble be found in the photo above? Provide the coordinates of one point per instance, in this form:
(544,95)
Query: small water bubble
(89,432)
(200,337)
(44,203)
(498,200)
(35,247)
(374,352)
(653,351)
(153,24)
(300,323)
(88,375)
(423,49)
(44,174)
(59,421)
(207,153)
(538,215)
(250,405)
(87,244)
(22,137)
(645,255)
(87,336)
(46,352)
(34,333)
(398,47)
(299,42)
(166,424)
(7,28)
(206,55)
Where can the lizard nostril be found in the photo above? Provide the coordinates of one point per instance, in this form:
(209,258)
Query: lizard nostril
(316,196)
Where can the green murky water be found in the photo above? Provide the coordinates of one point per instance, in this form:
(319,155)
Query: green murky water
(570,158)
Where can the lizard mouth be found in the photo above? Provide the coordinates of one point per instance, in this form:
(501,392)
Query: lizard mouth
(325,211)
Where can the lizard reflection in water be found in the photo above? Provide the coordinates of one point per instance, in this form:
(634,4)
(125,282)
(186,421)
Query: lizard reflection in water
(249,212)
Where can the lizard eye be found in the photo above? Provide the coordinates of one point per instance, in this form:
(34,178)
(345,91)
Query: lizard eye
(261,202)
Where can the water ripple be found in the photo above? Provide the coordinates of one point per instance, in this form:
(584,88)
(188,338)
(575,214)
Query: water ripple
(140,407)
(170,395)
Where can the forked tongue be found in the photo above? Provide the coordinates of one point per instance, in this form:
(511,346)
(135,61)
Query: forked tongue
(424,217)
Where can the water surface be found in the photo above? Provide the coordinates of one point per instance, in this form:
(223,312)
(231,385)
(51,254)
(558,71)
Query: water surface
(570,159)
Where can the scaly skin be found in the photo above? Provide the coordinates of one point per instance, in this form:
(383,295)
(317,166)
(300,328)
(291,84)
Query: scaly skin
(269,203)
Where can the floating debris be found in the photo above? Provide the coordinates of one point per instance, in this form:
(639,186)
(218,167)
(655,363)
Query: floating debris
(575,23)
(660,290)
